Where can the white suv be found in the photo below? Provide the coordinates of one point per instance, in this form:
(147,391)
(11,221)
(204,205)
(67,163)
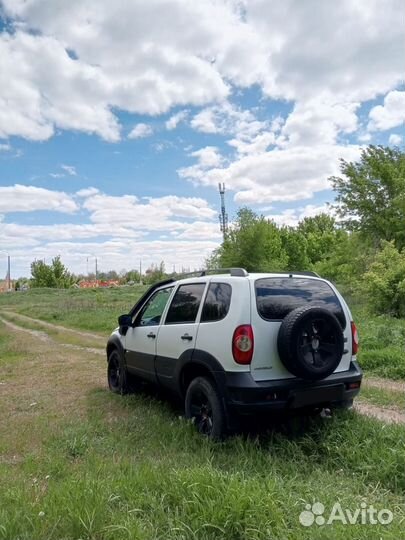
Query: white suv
(236,343)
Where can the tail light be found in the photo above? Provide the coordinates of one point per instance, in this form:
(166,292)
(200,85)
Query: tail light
(355,339)
(242,344)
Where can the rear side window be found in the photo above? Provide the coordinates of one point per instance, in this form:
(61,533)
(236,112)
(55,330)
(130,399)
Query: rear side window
(276,297)
(185,304)
(217,302)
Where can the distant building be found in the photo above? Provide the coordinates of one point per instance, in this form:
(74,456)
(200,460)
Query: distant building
(96,284)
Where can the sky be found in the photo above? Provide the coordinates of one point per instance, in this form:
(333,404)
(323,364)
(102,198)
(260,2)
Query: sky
(119,119)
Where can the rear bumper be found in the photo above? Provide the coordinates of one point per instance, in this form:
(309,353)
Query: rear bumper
(246,395)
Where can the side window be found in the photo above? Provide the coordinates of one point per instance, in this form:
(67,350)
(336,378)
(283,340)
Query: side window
(217,302)
(153,309)
(185,304)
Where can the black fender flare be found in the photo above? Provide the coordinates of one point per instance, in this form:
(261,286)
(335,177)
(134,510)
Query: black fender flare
(198,358)
(115,342)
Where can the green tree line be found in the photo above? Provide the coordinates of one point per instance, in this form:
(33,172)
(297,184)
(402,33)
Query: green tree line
(362,248)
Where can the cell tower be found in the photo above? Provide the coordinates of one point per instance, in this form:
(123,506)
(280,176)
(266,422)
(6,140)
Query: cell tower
(223,216)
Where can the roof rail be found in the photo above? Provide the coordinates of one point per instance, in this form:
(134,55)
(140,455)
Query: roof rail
(236,272)
(307,273)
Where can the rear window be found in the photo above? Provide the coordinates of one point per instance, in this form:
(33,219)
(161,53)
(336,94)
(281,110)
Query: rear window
(276,297)
(217,301)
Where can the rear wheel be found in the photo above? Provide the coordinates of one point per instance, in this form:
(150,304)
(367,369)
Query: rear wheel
(203,405)
(117,375)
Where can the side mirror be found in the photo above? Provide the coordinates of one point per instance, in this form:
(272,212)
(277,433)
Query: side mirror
(124,322)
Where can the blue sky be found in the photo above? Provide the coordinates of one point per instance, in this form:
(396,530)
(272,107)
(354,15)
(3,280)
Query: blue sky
(116,127)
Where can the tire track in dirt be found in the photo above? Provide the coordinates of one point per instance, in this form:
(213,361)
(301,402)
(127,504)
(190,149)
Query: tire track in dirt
(389,416)
(54,326)
(43,336)
(384,384)
(384,414)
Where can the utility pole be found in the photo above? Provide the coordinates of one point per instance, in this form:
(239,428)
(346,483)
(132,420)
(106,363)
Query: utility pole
(140,270)
(96,269)
(8,273)
(223,216)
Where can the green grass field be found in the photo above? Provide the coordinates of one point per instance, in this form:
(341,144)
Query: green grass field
(382,350)
(78,462)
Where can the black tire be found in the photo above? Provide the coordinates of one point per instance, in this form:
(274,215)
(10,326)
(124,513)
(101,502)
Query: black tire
(117,375)
(203,405)
(310,342)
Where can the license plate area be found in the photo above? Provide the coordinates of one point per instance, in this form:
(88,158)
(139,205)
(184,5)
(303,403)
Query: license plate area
(320,394)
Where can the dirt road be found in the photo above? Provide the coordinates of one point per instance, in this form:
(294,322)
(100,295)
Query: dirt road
(57,338)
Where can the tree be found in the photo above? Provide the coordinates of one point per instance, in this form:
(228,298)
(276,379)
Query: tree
(371,194)
(321,234)
(155,273)
(296,247)
(131,275)
(54,275)
(254,243)
(385,281)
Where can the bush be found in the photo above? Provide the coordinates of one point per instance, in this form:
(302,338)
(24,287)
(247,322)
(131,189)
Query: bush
(385,281)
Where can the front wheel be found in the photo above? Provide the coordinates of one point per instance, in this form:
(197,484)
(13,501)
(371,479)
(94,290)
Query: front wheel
(203,405)
(117,375)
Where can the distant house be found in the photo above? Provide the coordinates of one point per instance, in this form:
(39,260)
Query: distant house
(95,284)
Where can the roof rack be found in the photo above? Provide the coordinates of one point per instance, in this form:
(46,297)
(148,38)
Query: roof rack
(307,273)
(236,272)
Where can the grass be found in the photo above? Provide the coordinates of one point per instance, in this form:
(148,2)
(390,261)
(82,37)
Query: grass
(79,462)
(85,309)
(382,344)
(383,397)
(382,350)
(58,335)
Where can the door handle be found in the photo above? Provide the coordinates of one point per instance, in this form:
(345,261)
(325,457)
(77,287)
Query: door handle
(151,335)
(187,337)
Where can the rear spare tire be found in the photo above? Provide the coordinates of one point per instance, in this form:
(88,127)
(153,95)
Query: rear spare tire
(310,342)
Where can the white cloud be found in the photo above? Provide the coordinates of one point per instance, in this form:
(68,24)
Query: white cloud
(176,119)
(201,230)
(395,139)
(282,174)
(140,131)
(112,254)
(364,137)
(319,122)
(120,229)
(71,171)
(5,147)
(19,198)
(256,145)
(127,57)
(226,118)
(280,159)
(389,115)
(153,215)
(87,192)
(207,157)
(308,56)
(292,216)
(43,88)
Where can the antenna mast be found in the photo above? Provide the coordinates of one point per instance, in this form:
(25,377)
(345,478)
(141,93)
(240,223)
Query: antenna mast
(223,216)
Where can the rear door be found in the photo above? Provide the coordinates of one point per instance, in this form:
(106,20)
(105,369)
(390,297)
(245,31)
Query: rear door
(273,298)
(178,333)
(141,339)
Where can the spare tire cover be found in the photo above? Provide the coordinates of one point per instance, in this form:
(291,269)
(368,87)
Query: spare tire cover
(310,342)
